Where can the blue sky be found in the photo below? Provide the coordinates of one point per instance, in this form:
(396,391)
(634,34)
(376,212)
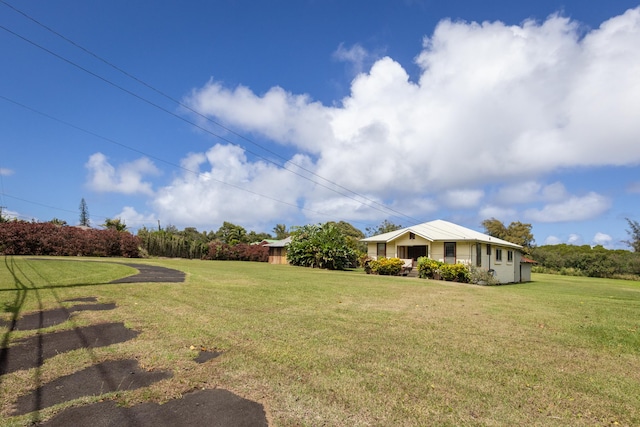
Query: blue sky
(300,112)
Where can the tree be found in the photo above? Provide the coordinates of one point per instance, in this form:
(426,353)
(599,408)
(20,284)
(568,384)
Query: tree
(84,214)
(231,234)
(634,234)
(280,231)
(57,221)
(517,232)
(321,246)
(115,224)
(385,227)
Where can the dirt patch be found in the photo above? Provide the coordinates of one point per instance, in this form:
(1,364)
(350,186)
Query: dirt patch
(152,273)
(47,318)
(214,408)
(106,377)
(32,352)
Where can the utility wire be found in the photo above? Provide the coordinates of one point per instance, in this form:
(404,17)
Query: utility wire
(209,119)
(135,150)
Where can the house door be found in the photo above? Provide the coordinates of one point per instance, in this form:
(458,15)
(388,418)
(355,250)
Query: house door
(450,252)
(416,252)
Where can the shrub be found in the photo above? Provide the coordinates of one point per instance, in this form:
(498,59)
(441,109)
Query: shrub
(480,276)
(240,252)
(320,246)
(455,273)
(32,238)
(428,268)
(386,266)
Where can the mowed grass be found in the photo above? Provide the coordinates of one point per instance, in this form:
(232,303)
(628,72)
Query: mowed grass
(349,349)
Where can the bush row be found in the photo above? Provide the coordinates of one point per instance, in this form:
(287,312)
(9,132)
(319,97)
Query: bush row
(432,269)
(34,238)
(240,252)
(385,266)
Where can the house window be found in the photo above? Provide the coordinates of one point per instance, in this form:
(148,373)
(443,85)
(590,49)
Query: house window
(478,255)
(382,250)
(412,236)
(509,256)
(489,250)
(498,255)
(450,252)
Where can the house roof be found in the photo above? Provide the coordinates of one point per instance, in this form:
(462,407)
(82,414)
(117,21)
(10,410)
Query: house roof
(440,230)
(280,243)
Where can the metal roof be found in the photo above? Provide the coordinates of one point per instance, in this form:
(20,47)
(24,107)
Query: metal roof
(280,243)
(440,230)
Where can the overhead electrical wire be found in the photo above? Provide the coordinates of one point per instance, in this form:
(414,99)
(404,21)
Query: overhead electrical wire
(135,150)
(387,210)
(209,119)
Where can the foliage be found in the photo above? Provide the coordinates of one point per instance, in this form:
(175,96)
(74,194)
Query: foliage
(240,252)
(320,246)
(634,234)
(516,232)
(115,224)
(186,244)
(433,269)
(455,273)
(32,238)
(428,268)
(57,221)
(280,231)
(385,227)
(481,276)
(586,261)
(231,234)
(386,266)
(84,214)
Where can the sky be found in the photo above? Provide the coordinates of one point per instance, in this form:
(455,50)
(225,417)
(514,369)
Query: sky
(296,112)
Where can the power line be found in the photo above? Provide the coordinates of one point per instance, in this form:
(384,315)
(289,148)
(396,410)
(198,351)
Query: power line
(140,81)
(112,141)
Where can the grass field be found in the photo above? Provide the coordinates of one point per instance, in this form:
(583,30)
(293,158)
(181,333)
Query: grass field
(348,349)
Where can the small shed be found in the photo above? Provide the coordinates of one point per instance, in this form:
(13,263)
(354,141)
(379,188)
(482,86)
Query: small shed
(525,269)
(278,251)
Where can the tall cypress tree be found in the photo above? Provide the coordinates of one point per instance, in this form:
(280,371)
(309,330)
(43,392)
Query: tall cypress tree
(84,214)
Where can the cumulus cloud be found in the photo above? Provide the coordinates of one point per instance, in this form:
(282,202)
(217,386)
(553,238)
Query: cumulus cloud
(602,239)
(493,103)
(223,185)
(552,240)
(462,198)
(126,179)
(134,219)
(5,172)
(574,239)
(356,56)
(574,208)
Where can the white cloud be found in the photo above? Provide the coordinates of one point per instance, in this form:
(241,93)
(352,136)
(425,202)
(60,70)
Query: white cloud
(497,212)
(464,199)
(135,220)
(574,239)
(493,103)
(602,239)
(552,240)
(356,55)
(5,172)
(573,209)
(126,179)
(228,187)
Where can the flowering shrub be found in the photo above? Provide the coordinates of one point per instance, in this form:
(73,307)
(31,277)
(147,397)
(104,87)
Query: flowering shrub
(386,266)
(33,238)
(428,268)
(240,252)
(432,269)
(455,273)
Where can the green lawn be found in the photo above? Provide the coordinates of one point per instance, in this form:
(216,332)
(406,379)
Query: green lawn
(348,349)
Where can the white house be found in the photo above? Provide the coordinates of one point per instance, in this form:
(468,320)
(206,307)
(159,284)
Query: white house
(451,243)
